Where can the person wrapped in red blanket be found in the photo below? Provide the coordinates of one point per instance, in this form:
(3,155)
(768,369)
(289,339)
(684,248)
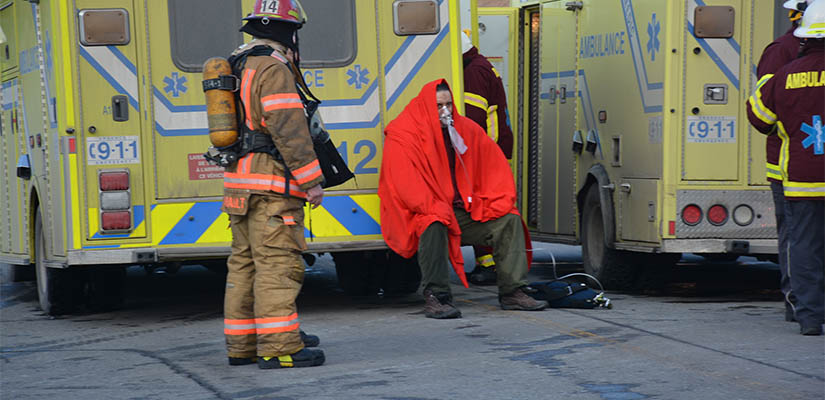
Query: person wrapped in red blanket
(445,183)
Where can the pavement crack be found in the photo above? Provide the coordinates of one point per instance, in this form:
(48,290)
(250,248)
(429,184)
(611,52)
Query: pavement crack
(711,349)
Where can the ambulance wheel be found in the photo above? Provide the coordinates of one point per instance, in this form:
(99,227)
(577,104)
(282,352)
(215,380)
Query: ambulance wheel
(615,269)
(403,274)
(357,271)
(362,273)
(55,286)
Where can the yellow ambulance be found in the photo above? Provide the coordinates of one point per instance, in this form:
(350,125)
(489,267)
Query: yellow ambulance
(635,142)
(104,126)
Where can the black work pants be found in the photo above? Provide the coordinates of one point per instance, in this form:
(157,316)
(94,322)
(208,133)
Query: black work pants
(806,258)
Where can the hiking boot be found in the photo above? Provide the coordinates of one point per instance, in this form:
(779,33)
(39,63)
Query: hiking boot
(482,276)
(439,306)
(310,340)
(519,300)
(235,361)
(303,358)
(810,329)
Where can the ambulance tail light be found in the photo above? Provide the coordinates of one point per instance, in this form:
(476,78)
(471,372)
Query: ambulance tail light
(743,215)
(691,214)
(114,180)
(717,214)
(116,221)
(115,201)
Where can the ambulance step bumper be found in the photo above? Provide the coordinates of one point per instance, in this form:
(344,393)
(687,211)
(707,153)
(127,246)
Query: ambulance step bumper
(738,246)
(153,255)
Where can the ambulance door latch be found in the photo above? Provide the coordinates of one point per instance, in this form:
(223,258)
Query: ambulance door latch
(716,94)
(573,5)
(120,108)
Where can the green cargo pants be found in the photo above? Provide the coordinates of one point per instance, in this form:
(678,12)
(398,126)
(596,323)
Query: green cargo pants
(505,235)
(265,276)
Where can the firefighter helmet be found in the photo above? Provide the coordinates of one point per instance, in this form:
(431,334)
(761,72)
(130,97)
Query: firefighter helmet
(813,21)
(797,5)
(466,43)
(278,10)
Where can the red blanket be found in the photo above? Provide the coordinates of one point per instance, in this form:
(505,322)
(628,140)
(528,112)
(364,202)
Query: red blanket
(415,186)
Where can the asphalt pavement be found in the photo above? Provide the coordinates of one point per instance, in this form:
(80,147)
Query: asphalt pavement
(715,331)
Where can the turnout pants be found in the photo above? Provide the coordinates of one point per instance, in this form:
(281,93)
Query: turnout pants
(780,204)
(806,245)
(265,276)
(505,235)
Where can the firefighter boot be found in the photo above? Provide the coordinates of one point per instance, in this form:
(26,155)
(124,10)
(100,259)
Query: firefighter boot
(484,273)
(519,300)
(439,306)
(310,340)
(304,358)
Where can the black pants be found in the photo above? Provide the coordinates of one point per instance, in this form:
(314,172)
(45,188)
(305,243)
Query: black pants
(806,258)
(780,204)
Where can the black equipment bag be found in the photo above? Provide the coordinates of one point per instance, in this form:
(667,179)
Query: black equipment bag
(563,294)
(333,167)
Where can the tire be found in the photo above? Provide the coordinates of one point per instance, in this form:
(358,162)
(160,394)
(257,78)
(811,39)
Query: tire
(615,269)
(57,289)
(365,273)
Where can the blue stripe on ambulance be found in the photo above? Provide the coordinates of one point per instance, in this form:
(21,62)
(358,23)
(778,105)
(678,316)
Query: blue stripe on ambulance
(194,223)
(84,52)
(351,215)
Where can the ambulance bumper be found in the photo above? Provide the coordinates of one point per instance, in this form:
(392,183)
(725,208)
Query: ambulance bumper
(148,256)
(738,246)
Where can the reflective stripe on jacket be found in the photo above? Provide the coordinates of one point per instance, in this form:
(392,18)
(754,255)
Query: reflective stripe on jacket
(484,91)
(491,122)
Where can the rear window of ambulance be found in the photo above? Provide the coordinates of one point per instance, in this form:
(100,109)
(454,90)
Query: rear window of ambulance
(201,29)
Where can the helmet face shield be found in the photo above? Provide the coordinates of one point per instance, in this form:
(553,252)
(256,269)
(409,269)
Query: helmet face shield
(278,10)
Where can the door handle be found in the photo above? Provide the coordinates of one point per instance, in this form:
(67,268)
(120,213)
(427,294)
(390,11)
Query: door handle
(625,187)
(563,94)
(552,95)
(120,108)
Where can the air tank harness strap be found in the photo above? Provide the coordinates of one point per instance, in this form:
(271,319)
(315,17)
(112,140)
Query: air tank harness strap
(224,82)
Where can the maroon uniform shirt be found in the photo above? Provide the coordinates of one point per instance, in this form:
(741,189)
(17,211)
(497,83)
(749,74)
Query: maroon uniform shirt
(480,79)
(780,52)
(793,100)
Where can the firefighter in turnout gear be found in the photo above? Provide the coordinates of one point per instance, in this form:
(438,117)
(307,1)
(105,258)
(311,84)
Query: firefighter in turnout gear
(780,52)
(486,105)
(791,104)
(264,194)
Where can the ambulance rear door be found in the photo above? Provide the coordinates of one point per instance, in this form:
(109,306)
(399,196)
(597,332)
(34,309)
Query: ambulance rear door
(716,82)
(113,149)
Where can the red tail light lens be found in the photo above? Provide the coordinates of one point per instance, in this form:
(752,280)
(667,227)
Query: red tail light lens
(717,214)
(114,181)
(691,214)
(116,221)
